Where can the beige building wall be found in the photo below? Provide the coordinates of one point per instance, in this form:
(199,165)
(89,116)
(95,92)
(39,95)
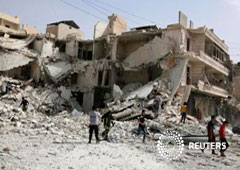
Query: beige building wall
(117,25)
(53,29)
(29,29)
(61,31)
(9,21)
(175,34)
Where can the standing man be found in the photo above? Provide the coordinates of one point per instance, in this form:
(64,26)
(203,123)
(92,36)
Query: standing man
(108,123)
(183,112)
(223,140)
(211,135)
(141,125)
(24,104)
(94,121)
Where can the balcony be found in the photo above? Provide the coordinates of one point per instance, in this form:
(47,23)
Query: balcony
(212,63)
(209,89)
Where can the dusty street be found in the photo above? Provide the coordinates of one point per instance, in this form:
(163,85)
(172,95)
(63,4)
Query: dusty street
(44,152)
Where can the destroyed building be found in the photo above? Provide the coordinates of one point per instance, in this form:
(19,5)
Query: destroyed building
(116,63)
(194,59)
(15,54)
(10,26)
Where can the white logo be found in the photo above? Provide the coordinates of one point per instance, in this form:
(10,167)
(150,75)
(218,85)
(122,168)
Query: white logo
(170,145)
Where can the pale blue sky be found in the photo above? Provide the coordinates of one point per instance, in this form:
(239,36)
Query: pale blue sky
(222,15)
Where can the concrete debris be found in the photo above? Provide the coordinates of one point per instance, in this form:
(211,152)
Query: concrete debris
(58,71)
(65,93)
(148,96)
(117,92)
(16,44)
(150,52)
(131,87)
(62,76)
(12,59)
(76,113)
(145,90)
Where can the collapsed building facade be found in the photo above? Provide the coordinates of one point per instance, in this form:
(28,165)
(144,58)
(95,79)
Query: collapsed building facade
(196,61)
(116,63)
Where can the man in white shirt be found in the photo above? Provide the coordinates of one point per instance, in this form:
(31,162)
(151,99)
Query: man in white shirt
(94,122)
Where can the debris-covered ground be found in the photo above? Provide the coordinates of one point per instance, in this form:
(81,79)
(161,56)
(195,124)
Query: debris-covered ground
(36,139)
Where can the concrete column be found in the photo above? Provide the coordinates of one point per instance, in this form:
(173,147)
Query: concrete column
(88,101)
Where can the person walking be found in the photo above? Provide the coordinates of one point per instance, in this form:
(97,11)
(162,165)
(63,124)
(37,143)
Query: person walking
(24,104)
(211,135)
(94,122)
(223,139)
(183,112)
(141,125)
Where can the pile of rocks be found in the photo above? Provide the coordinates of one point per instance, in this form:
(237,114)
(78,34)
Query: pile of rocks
(44,102)
(162,109)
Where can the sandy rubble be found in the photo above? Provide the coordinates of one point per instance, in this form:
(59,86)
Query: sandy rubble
(58,152)
(38,140)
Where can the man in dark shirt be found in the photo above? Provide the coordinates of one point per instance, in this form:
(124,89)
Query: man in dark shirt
(141,125)
(24,103)
(210,130)
(108,123)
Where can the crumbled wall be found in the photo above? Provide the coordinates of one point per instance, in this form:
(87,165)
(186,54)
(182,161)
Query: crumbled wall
(151,51)
(100,29)
(99,49)
(71,48)
(177,36)
(176,75)
(127,77)
(29,29)
(35,71)
(88,78)
(124,49)
(88,101)
(117,25)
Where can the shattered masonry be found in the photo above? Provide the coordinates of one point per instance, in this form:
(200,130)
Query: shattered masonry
(119,70)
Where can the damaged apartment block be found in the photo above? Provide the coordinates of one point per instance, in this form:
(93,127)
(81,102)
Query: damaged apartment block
(119,66)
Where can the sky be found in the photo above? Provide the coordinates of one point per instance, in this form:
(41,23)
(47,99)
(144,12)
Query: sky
(221,15)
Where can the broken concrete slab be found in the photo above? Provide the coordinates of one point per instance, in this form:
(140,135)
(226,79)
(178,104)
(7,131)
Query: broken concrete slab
(131,87)
(100,29)
(16,44)
(117,92)
(10,60)
(175,74)
(150,52)
(58,71)
(65,93)
(141,93)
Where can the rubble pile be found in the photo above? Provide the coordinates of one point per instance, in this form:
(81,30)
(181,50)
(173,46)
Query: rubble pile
(162,111)
(48,112)
(151,96)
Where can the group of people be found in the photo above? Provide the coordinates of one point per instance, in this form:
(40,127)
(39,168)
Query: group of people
(95,117)
(222,135)
(210,130)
